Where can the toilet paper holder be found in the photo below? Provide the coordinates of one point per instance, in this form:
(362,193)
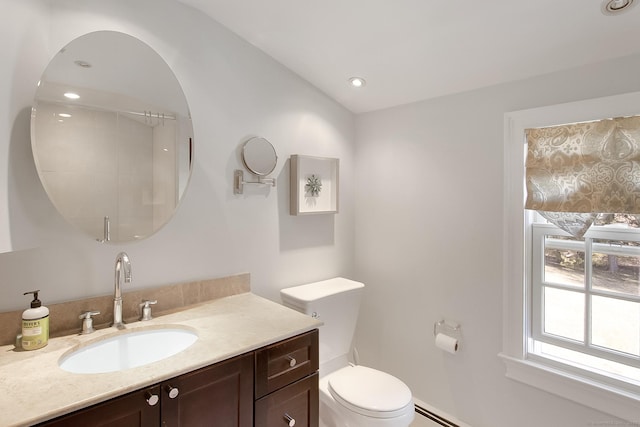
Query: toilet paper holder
(446,327)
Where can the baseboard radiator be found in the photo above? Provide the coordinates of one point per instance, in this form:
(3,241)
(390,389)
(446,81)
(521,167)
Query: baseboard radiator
(434,417)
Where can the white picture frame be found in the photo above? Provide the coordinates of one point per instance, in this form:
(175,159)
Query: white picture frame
(314,185)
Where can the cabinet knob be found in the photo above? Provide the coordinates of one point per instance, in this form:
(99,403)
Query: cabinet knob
(292,361)
(172,391)
(290,420)
(152,399)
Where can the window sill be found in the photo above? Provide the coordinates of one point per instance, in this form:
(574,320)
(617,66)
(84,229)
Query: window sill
(603,397)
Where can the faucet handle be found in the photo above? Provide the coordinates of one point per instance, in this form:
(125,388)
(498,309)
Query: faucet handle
(88,314)
(87,321)
(146,309)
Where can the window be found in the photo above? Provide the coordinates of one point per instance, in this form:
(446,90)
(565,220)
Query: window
(585,300)
(557,331)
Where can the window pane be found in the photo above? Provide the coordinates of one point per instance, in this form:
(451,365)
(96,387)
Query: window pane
(616,324)
(614,270)
(563,262)
(564,313)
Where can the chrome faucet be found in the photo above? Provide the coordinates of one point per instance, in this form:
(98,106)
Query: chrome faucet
(123,272)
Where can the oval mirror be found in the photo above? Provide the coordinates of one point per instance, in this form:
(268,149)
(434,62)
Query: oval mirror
(259,156)
(112,137)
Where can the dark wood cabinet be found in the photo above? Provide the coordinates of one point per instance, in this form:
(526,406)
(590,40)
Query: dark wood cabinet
(296,402)
(138,409)
(219,395)
(287,383)
(269,387)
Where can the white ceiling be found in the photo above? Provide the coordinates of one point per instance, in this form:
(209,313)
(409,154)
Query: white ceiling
(410,50)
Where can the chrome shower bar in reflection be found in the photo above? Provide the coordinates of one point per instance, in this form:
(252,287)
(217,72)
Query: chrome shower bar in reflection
(148,115)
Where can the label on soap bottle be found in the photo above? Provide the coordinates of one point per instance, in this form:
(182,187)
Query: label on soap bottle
(35,333)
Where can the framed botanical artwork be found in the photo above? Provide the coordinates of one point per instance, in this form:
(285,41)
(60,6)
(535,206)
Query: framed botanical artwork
(314,185)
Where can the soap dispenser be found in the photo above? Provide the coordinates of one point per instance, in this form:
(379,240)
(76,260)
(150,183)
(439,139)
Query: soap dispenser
(35,324)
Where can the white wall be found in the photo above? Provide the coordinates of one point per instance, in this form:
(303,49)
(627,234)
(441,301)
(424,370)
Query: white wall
(234,91)
(23,46)
(429,244)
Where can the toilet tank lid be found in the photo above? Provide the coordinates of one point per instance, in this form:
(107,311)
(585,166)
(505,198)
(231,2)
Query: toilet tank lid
(317,290)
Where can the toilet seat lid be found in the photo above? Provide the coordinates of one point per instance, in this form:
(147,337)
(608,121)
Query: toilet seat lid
(370,392)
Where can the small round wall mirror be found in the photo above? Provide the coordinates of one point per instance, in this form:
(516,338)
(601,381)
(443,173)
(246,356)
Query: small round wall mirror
(259,156)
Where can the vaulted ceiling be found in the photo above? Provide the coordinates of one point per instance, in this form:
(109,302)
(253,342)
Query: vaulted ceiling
(410,50)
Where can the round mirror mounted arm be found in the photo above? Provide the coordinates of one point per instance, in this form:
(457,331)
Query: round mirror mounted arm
(239,182)
(260,158)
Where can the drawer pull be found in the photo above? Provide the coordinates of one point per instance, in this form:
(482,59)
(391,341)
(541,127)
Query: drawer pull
(173,392)
(290,420)
(292,362)
(152,399)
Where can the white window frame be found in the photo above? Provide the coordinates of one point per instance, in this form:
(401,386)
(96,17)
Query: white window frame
(554,378)
(587,247)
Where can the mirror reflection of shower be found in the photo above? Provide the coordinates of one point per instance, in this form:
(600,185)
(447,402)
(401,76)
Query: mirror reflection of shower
(113,147)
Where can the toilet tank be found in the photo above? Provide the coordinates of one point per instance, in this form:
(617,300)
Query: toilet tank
(335,302)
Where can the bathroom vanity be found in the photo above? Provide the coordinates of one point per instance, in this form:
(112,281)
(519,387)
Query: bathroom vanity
(286,389)
(255,363)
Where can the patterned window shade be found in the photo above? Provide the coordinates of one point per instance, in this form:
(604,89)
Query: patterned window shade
(579,170)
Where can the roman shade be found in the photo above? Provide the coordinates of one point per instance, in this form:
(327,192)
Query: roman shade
(576,171)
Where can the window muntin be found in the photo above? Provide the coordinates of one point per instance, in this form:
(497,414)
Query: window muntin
(587,313)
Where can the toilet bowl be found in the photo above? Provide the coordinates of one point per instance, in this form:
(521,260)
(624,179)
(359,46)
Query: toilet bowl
(358,396)
(350,395)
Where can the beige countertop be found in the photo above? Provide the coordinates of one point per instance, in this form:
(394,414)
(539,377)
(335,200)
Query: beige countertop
(35,389)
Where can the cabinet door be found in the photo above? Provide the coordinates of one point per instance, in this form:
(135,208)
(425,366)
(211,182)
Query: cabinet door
(298,401)
(220,395)
(137,409)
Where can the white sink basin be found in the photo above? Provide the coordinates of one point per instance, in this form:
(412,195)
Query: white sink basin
(127,350)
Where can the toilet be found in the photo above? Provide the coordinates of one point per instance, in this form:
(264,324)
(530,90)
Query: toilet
(350,395)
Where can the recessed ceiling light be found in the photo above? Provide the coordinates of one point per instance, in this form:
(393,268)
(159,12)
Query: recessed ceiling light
(357,81)
(616,7)
(65,115)
(71,95)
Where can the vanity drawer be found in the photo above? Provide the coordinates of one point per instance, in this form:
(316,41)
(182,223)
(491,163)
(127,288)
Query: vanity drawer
(298,401)
(286,362)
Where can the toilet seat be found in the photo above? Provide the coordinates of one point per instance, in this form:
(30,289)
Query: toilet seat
(370,392)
